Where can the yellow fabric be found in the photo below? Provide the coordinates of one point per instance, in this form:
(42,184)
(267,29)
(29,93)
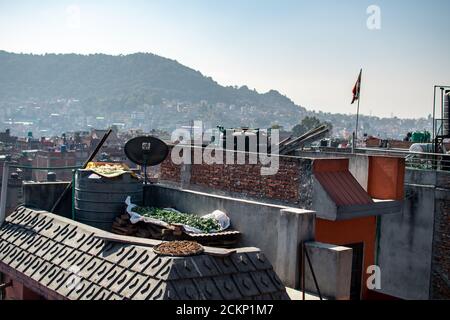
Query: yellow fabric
(109,170)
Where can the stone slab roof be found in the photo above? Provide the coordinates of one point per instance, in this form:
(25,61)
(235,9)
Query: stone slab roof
(63,259)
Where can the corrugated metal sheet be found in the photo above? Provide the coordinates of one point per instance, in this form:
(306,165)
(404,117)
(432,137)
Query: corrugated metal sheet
(48,253)
(343,188)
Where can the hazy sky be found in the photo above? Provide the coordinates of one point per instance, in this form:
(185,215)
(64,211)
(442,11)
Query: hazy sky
(309,50)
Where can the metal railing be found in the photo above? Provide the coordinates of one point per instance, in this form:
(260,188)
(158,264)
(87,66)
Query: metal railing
(414,159)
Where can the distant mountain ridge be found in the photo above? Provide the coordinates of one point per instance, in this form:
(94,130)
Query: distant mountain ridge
(101,76)
(156,93)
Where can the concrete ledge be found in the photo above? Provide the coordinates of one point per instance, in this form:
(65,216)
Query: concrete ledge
(424,177)
(277,230)
(332,266)
(378,208)
(294,227)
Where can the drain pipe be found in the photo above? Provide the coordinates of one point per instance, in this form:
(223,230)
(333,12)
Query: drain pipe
(4,192)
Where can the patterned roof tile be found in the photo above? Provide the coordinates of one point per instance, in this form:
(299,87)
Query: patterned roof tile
(64,259)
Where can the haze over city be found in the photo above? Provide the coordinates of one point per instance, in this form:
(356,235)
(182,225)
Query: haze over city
(224,150)
(308,50)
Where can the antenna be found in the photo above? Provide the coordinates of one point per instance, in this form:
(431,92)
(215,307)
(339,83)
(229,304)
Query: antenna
(146,151)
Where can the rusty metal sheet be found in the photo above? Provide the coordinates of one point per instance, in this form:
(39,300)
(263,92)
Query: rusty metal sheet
(343,188)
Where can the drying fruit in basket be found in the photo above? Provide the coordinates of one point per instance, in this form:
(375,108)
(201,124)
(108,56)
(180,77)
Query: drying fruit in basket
(107,169)
(206,225)
(178,248)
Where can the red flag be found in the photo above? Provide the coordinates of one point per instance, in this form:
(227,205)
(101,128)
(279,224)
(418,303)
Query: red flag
(357,88)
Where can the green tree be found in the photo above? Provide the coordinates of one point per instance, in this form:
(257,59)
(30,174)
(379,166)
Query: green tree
(307,124)
(277,126)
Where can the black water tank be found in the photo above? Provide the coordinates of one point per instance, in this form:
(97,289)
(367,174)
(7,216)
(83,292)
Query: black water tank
(98,201)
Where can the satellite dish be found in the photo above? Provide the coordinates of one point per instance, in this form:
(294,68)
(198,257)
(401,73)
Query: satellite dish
(146,151)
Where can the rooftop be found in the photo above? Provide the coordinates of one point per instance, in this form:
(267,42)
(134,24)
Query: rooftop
(63,259)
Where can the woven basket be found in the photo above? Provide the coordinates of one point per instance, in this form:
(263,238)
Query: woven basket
(178,248)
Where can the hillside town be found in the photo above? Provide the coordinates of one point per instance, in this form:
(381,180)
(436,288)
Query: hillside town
(225,158)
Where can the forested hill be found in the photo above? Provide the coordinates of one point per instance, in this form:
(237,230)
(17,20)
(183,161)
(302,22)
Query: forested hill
(148,91)
(147,77)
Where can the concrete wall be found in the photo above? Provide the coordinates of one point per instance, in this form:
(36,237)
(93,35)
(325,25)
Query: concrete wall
(13,196)
(332,267)
(43,195)
(405,246)
(413,247)
(276,230)
(359,168)
(440,264)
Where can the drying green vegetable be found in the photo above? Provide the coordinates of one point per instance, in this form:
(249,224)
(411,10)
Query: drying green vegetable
(171,217)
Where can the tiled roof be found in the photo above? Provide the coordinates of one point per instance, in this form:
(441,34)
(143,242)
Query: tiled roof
(48,252)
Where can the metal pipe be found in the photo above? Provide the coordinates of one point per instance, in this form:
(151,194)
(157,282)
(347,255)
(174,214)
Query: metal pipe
(434,118)
(4,192)
(91,157)
(73,195)
(400,152)
(303,271)
(443,111)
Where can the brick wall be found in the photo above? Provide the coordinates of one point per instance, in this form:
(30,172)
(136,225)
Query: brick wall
(169,171)
(245,180)
(440,277)
(53,159)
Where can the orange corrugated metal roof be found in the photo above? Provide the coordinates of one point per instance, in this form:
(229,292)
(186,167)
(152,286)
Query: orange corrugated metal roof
(343,188)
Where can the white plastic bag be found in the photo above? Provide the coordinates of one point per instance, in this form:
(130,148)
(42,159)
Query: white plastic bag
(221,217)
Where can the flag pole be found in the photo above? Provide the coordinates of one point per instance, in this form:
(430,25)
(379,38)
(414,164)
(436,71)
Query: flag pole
(357,109)
(357,119)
